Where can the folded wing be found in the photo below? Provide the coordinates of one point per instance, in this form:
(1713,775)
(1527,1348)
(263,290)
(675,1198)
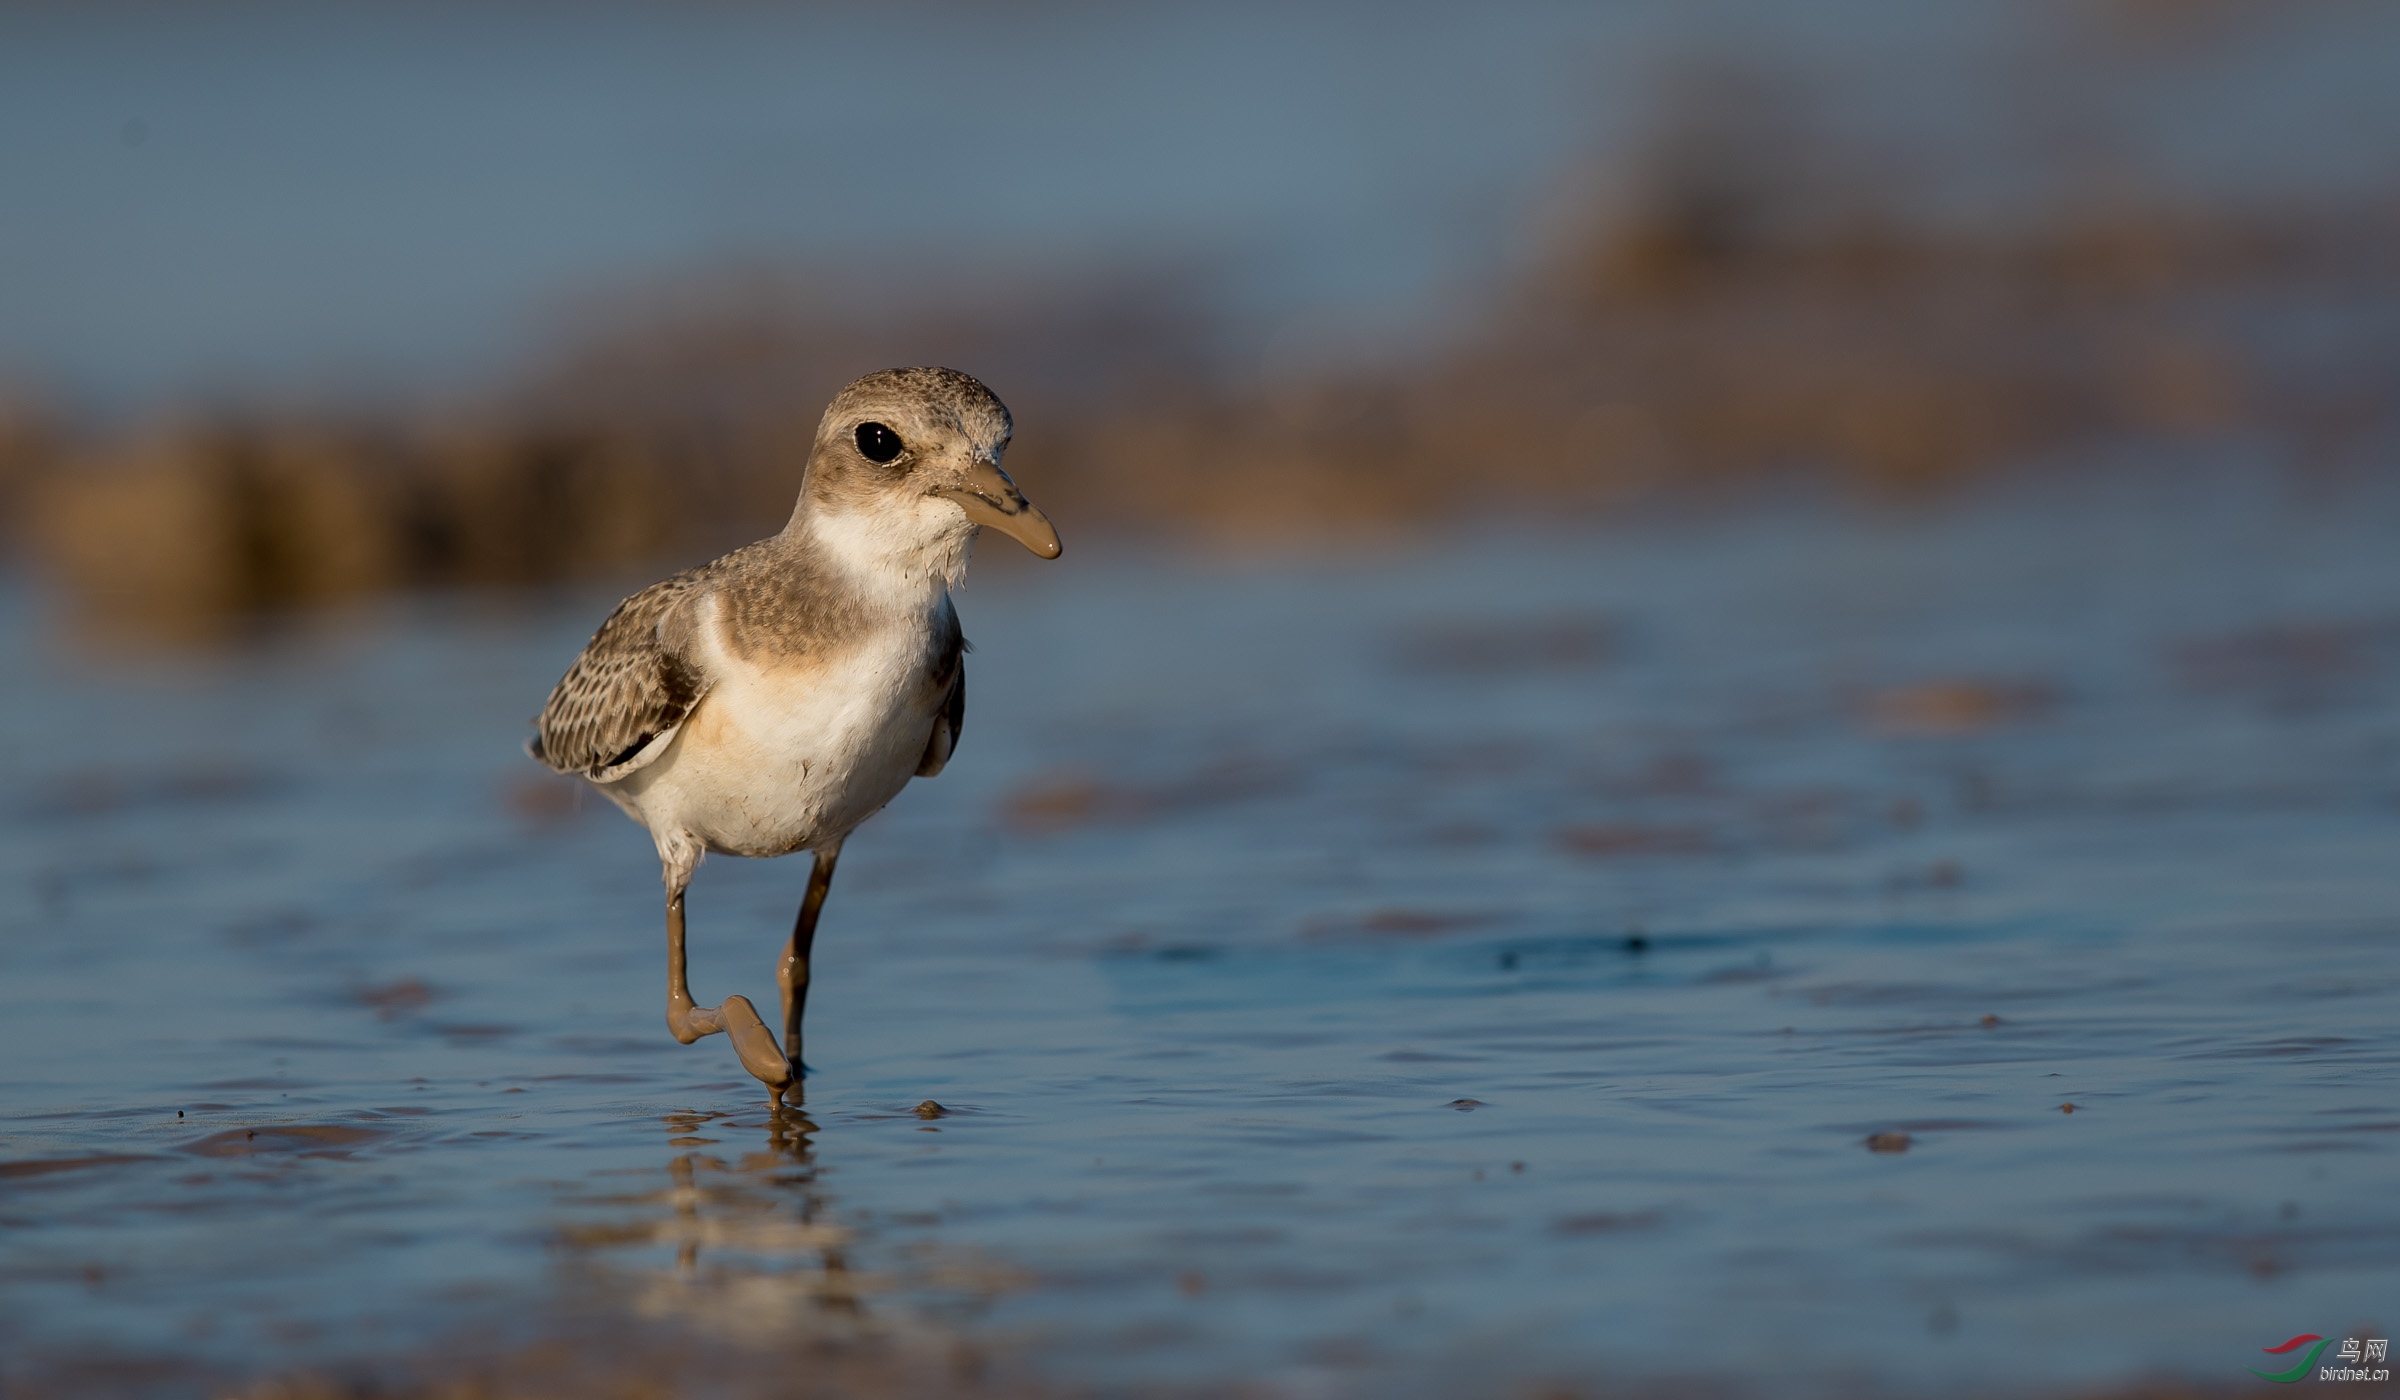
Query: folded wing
(619,705)
(952,720)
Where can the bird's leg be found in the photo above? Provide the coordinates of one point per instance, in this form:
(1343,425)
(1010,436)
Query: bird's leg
(735,1015)
(792,973)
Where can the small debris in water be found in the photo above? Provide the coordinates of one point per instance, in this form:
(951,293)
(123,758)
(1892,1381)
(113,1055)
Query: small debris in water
(1888,1142)
(1465,1105)
(930,1109)
(2066,1108)
(1637,944)
(1990,1020)
(1516,1166)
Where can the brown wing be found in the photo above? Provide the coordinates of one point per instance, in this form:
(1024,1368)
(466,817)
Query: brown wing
(629,690)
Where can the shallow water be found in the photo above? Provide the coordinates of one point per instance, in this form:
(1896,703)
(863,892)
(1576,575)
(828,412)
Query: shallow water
(1443,969)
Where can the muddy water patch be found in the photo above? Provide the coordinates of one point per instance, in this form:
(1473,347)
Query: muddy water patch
(30,1168)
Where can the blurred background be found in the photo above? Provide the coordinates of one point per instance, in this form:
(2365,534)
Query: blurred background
(1722,716)
(303,303)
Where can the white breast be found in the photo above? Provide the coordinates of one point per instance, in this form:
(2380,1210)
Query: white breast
(791,753)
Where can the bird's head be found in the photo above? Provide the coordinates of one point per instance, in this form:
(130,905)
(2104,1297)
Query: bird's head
(907,462)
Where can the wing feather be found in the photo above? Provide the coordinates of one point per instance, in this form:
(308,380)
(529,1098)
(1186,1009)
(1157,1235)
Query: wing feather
(620,704)
(952,721)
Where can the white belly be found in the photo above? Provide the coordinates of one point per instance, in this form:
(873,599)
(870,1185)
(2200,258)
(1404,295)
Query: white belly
(776,760)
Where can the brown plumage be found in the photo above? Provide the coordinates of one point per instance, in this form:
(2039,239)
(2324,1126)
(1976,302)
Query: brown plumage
(634,684)
(772,700)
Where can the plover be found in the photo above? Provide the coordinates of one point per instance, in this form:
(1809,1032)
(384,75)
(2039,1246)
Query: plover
(771,701)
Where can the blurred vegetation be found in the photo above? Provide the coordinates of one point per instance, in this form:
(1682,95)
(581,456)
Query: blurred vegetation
(1742,314)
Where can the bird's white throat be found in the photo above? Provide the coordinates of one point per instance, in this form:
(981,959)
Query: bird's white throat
(901,557)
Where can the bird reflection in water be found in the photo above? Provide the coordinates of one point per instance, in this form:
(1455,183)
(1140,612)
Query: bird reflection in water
(754,1256)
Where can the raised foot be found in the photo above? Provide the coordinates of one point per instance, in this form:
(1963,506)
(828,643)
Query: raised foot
(756,1045)
(740,1022)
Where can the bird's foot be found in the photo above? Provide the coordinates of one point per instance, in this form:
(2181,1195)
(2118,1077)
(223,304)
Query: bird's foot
(756,1045)
(740,1022)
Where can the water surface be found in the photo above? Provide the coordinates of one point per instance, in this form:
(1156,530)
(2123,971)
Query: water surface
(1450,967)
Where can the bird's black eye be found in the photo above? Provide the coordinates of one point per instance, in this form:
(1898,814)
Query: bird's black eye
(877,443)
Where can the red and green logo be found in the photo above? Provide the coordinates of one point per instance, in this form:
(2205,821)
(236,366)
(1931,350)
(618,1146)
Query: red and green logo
(2287,1377)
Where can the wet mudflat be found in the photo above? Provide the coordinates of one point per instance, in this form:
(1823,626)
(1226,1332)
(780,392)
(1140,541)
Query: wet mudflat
(1798,950)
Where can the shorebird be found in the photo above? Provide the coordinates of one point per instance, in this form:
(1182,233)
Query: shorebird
(771,701)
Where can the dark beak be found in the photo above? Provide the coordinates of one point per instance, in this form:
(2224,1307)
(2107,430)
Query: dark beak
(990,498)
